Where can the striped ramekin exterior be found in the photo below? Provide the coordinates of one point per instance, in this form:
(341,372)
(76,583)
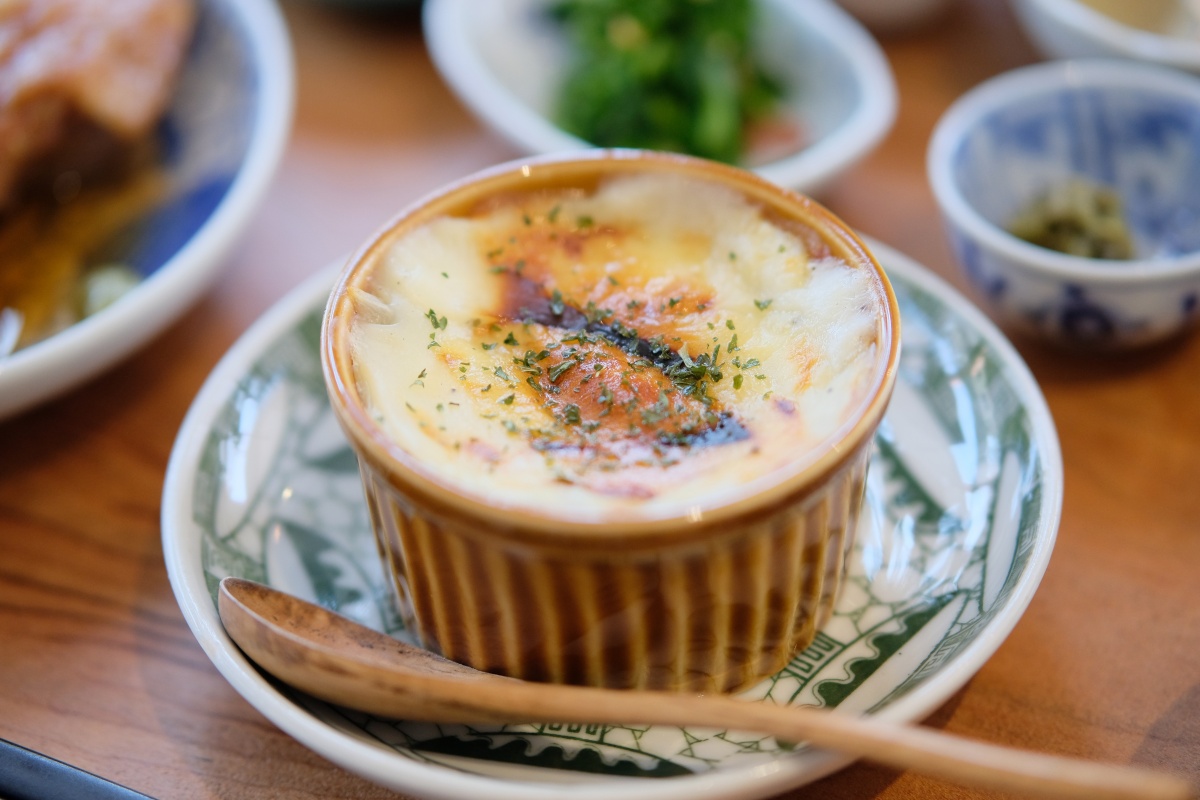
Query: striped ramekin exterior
(711,615)
(709,601)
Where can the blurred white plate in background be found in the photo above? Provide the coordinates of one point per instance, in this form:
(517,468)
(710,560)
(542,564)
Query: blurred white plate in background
(505,57)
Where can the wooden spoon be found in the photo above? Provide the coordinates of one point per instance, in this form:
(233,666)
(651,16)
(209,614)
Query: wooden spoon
(338,660)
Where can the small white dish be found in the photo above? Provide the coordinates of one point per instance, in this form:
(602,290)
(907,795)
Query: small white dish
(1163,32)
(963,503)
(504,59)
(1130,127)
(222,138)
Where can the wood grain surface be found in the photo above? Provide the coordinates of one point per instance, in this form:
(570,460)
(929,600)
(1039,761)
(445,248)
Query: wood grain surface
(97,667)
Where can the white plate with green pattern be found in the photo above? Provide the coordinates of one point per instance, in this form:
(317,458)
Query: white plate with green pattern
(962,508)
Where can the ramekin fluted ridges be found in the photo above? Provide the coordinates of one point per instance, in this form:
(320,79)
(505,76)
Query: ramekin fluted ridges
(702,602)
(714,613)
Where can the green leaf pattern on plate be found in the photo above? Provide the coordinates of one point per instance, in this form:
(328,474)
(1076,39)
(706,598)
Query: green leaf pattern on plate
(278,500)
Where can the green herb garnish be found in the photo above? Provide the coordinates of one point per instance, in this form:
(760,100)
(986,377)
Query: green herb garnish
(558,369)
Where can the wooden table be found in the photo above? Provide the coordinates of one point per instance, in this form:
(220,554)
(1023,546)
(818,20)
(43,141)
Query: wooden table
(97,667)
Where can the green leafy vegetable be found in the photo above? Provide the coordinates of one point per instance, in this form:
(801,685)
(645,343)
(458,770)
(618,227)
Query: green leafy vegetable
(678,75)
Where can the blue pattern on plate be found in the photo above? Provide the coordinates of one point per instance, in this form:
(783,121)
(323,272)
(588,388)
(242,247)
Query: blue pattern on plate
(1081,319)
(202,140)
(971,257)
(168,227)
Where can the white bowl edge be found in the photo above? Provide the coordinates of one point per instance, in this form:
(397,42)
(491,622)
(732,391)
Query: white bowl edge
(80,352)
(446,30)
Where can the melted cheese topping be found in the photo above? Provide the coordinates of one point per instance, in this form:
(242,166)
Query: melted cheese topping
(650,349)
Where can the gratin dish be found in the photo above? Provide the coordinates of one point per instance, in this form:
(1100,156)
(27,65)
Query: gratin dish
(705,594)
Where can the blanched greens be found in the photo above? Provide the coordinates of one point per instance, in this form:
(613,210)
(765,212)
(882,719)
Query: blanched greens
(676,75)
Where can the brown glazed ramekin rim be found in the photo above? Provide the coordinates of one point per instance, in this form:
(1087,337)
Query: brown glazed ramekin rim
(405,471)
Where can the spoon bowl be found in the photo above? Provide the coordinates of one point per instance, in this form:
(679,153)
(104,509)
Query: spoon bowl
(342,662)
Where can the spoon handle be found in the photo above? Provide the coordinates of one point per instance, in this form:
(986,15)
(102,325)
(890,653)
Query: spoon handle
(338,660)
(911,747)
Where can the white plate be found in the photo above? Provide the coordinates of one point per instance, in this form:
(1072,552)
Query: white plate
(963,503)
(504,59)
(1064,29)
(221,139)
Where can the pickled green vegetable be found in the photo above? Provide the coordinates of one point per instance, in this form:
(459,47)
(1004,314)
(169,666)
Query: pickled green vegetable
(1078,218)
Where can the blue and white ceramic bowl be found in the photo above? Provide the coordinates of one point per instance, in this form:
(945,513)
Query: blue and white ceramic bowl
(220,141)
(1129,126)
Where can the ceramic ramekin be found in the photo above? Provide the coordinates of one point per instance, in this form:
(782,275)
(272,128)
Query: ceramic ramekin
(708,601)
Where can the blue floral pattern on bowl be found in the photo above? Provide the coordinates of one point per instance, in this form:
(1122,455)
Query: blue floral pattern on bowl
(1133,128)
